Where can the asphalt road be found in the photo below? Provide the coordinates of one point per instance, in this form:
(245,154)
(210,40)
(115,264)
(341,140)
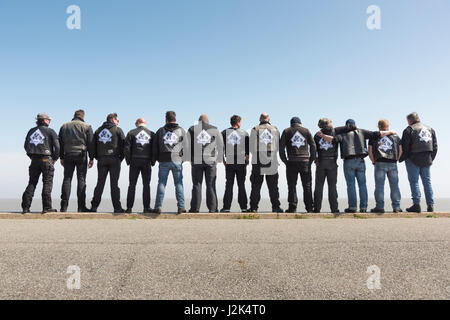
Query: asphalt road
(225,259)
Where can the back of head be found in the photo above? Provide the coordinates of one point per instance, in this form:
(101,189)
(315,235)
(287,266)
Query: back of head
(140,122)
(235,120)
(171,117)
(324,123)
(264,117)
(413,117)
(79,114)
(204,118)
(383,125)
(111,117)
(350,122)
(295,120)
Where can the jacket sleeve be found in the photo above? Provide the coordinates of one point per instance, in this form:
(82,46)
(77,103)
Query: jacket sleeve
(186,151)
(127,148)
(61,144)
(406,144)
(90,143)
(121,143)
(155,148)
(220,146)
(56,147)
(312,147)
(435,146)
(283,147)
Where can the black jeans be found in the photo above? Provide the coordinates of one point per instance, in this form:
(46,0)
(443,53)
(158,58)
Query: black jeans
(70,163)
(326,169)
(293,168)
(210,173)
(107,165)
(240,171)
(257,179)
(139,167)
(45,167)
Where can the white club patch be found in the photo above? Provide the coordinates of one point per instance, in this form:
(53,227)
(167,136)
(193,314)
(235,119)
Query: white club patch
(37,138)
(385,144)
(203,138)
(170,138)
(143,138)
(325,145)
(266,137)
(298,140)
(425,135)
(105,136)
(234,138)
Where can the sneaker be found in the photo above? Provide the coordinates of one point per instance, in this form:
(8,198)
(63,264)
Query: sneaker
(290,210)
(225,211)
(309,210)
(350,210)
(377,210)
(277,210)
(50,210)
(93,209)
(253,211)
(119,211)
(181,210)
(193,211)
(25,211)
(362,210)
(414,208)
(129,210)
(397,210)
(148,210)
(430,208)
(245,210)
(157,210)
(63,209)
(84,209)
(335,211)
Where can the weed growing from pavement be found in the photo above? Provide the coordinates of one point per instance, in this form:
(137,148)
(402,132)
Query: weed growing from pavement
(431,216)
(358,216)
(249,216)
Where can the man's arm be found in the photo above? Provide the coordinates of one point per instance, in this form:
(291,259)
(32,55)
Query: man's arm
(435,146)
(312,147)
(127,148)
(400,152)
(121,143)
(155,148)
(282,150)
(406,142)
(220,146)
(371,154)
(61,145)
(90,146)
(56,148)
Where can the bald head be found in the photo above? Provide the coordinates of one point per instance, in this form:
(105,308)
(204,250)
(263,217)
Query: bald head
(140,122)
(204,118)
(264,117)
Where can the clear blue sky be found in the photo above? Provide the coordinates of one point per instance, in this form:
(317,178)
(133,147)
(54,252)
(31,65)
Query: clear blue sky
(310,59)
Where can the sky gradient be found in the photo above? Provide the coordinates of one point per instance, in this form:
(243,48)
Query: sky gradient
(309,59)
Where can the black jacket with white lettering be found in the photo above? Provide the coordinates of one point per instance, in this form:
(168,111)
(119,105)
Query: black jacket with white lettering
(139,144)
(171,144)
(298,143)
(41,141)
(109,141)
(206,144)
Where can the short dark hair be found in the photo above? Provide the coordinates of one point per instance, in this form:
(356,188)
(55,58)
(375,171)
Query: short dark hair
(235,120)
(111,116)
(413,116)
(171,116)
(79,114)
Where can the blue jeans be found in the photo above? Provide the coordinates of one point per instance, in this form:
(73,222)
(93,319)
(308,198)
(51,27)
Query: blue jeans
(356,169)
(177,173)
(389,169)
(413,176)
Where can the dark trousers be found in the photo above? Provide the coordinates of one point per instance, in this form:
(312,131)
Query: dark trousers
(138,167)
(257,179)
(239,171)
(45,167)
(293,169)
(71,163)
(326,169)
(210,173)
(107,165)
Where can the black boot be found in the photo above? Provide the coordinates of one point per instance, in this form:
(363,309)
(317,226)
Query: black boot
(64,205)
(414,208)
(430,208)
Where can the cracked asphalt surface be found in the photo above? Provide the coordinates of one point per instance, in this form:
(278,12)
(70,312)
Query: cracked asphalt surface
(225,259)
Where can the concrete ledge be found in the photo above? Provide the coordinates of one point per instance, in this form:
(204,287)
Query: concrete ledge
(243,216)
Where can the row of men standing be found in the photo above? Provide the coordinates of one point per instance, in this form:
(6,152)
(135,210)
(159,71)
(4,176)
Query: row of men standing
(204,146)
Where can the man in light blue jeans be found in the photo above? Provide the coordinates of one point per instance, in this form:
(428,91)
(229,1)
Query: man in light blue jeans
(177,173)
(384,153)
(355,168)
(170,148)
